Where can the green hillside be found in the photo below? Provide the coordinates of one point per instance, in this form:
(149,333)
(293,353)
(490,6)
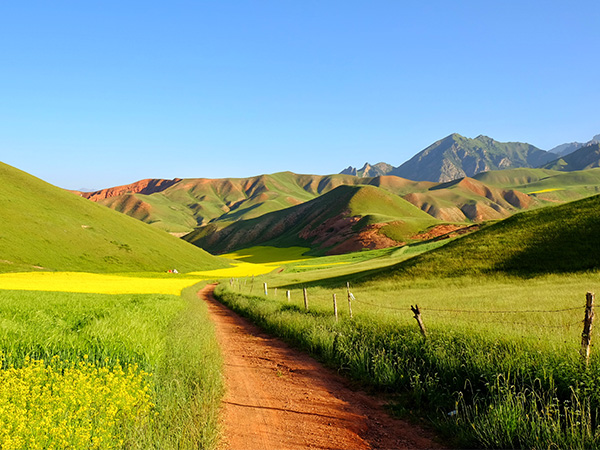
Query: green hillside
(46,227)
(328,223)
(198,201)
(557,239)
(185,204)
(545,184)
(587,157)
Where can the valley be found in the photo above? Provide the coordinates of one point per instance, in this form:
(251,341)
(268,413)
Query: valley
(95,285)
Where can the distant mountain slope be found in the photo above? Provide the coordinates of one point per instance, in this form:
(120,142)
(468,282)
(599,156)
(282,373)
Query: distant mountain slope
(146,187)
(546,185)
(347,218)
(369,170)
(586,157)
(566,149)
(456,156)
(564,238)
(44,226)
(184,205)
(468,199)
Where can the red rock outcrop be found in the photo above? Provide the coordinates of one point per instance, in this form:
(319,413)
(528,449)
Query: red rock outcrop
(148,186)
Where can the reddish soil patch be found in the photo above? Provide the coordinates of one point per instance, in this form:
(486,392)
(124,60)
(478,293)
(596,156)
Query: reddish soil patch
(369,238)
(279,398)
(148,186)
(445,231)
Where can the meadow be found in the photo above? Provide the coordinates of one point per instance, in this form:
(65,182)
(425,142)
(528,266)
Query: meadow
(108,360)
(500,367)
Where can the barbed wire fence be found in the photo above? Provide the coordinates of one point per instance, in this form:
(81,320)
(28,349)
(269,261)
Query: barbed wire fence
(587,320)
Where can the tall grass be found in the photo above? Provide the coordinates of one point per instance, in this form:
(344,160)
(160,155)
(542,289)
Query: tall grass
(486,387)
(168,337)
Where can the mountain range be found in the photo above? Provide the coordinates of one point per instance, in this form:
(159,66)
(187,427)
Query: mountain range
(456,156)
(362,208)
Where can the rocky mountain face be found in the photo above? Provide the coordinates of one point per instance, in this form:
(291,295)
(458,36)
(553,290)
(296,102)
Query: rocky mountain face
(456,157)
(369,170)
(586,157)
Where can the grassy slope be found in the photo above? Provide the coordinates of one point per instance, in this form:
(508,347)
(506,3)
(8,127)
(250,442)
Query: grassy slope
(586,157)
(546,184)
(45,226)
(199,201)
(283,228)
(512,380)
(190,202)
(557,239)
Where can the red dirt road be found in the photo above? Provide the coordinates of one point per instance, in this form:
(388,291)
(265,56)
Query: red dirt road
(280,398)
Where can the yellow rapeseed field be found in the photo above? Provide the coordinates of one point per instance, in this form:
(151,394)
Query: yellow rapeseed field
(240,269)
(59,405)
(94,283)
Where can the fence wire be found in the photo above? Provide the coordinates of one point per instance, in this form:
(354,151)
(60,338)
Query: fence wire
(475,311)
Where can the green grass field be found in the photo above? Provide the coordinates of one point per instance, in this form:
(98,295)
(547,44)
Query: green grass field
(127,371)
(500,367)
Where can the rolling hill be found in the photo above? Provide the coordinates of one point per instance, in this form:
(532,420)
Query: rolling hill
(556,239)
(546,185)
(468,199)
(347,218)
(188,203)
(45,227)
(179,206)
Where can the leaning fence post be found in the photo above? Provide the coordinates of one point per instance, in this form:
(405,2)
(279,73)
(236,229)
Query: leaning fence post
(350,298)
(586,335)
(305,299)
(265,286)
(419,320)
(335,307)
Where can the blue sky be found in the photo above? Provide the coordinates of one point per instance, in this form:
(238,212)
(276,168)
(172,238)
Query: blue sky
(101,93)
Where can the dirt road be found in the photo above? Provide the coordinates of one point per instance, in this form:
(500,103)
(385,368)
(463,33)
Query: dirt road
(279,398)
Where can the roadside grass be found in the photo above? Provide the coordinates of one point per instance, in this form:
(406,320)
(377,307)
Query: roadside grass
(157,353)
(496,374)
(500,367)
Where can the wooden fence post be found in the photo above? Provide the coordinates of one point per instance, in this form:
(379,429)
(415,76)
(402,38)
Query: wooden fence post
(350,298)
(265,286)
(305,299)
(287,294)
(252,285)
(335,307)
(586,335)
(275,293)
(417,313)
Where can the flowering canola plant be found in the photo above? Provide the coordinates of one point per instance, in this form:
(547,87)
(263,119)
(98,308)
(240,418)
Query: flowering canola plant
(238,269)
(94,283)
(56,404)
